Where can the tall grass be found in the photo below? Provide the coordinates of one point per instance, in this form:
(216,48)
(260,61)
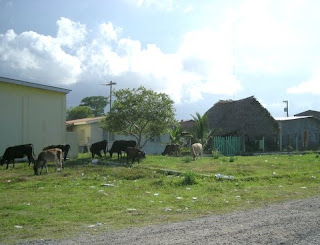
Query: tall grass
(88,197)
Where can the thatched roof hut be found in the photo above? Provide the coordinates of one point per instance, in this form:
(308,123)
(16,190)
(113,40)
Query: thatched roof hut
(245,117)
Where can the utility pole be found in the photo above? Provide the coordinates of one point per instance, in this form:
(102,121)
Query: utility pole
(286,109)
(110,84)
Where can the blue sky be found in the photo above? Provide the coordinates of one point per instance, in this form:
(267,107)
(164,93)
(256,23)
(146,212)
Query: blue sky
(197,52)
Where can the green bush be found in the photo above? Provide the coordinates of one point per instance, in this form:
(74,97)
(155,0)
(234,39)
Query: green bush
(187,159)
(189,178)
(216,154)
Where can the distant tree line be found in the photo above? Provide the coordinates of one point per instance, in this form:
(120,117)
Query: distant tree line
(92,106)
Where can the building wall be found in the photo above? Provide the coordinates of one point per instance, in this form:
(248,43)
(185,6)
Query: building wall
(91,133)
(301,134)
(31,115)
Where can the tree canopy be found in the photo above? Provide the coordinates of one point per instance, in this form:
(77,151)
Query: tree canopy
(140,113)
(79,112)
(96,103)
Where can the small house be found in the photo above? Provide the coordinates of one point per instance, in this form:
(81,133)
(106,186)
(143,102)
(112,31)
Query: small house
(247,120)
(299,133)
(89,131)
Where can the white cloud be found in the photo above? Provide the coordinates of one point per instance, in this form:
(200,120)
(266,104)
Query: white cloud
(311,86)
(202,64)
(38,57)
(167,5)
(70,33)
(108,31)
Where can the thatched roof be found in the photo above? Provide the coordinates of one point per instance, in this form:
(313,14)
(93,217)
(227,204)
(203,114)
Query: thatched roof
(241,117)
(187,124)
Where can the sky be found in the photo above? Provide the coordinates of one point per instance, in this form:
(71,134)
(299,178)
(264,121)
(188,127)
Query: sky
(197,52)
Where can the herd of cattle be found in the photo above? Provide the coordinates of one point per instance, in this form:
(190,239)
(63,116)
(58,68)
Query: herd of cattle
(58,153)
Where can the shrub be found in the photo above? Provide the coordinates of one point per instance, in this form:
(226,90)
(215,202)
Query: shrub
(232,159)
(189,178)
(187,159)
(216,154)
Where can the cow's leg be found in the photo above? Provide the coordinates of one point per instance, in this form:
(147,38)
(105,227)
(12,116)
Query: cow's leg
(44,164)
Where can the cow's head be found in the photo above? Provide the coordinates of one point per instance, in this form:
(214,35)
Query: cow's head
(142,154)
(35,167)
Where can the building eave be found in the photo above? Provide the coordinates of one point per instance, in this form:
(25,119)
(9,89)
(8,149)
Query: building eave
(34,85)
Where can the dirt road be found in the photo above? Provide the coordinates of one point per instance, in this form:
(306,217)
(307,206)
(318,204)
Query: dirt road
(295,222)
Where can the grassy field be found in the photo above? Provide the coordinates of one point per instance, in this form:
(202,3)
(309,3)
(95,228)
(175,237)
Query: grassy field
(91,198)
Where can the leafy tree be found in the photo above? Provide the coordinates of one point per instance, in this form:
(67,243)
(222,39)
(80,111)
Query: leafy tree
(140,113)
(96,103)
(201,132)
(79,112)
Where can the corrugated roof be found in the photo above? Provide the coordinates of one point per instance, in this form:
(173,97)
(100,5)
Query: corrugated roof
(291,118)
(34,85)
(84,121)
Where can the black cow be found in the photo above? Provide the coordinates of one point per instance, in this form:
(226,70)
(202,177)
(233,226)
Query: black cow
(134,154)
(121,145)
(97,147)
(65,149)
(18,151)
(172,150)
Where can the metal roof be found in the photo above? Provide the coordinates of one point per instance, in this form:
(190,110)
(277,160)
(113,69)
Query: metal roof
(291,118)
(84,121)
(34,85)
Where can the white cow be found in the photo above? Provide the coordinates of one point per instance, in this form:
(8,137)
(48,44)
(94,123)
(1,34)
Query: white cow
(54,155)
(196,150)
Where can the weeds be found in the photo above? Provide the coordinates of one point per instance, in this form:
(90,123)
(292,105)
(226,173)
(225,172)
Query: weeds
(189,178)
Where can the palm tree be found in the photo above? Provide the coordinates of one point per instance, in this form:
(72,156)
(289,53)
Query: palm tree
(176,134)
(201,132)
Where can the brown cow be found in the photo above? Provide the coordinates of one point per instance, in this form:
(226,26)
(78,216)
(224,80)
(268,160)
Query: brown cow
(134,154)
(54,155)
(172,150)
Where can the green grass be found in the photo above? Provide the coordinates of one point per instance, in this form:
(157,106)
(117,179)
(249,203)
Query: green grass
(63,204)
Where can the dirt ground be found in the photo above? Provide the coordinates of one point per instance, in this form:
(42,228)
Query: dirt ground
(294,222)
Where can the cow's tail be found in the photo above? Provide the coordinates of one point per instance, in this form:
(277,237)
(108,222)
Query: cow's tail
(32,151)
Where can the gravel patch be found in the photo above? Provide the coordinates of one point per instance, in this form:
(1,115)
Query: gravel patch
(294,222)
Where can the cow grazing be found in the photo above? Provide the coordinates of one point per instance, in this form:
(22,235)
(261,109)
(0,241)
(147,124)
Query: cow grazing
(54,155)
(97,147)
(172,150)
(18,151)
(196,150)
(65,149)
(121,145)
(134,154)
